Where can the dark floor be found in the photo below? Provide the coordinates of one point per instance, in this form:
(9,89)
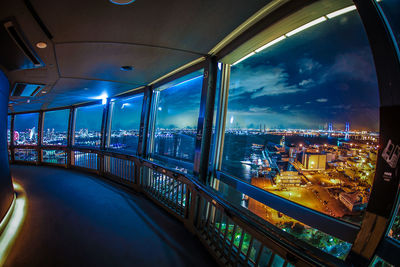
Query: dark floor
(77,219)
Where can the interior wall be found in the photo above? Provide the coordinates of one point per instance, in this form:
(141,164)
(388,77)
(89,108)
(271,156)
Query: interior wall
(6,189)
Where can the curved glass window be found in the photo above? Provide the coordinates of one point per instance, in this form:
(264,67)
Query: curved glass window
(125,123)
(391,8)
(55,127)
(25,129)
(303,119)
(175,116)
(88,125)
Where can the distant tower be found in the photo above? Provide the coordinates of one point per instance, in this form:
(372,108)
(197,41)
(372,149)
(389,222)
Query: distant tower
(330,128)
(264,128)
(347,130)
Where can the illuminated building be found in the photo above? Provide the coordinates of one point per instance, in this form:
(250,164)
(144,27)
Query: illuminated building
(352,201)
(314,161)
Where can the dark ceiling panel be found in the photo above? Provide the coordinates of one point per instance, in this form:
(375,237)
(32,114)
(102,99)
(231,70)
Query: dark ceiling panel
(104,60)
(195,25)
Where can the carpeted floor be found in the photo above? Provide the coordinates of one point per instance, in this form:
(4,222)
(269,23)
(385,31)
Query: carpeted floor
(78,219)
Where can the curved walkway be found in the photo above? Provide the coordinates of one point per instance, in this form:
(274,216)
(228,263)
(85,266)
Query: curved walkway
(77,219)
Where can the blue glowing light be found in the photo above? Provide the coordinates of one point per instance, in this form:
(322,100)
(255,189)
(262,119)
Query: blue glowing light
(122,2)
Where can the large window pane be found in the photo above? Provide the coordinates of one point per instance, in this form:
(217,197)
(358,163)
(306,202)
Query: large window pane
(88,125)
(25,129)
(125,123)
(175,116)
(55,127)
(303,117)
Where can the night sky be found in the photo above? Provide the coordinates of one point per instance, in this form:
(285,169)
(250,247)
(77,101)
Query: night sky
(179,104)
(126,113)
(320,75)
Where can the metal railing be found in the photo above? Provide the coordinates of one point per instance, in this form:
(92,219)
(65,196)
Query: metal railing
(232,237)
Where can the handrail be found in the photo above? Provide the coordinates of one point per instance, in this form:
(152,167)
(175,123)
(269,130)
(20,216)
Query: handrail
(264,229)
(332,226)
(282,242)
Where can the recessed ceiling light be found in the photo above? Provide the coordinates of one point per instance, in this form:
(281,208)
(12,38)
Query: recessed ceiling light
(41,45)
(122,2)
(126,68)
(43,92)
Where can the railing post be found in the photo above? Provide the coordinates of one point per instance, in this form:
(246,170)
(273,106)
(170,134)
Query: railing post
(193,204)
(40,138)
(205,121)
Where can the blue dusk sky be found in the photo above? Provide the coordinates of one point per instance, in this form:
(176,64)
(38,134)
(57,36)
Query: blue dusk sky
(320,75)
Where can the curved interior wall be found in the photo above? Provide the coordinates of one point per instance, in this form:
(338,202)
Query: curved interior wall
(6,189)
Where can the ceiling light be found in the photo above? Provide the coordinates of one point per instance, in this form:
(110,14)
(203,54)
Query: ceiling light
(243,58)
(41,45)
(103,97)
(271,43)
(341,11)
(122,2)
(306,26)
(43,92)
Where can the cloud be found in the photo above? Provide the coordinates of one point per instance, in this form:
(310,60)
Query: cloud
(307,83)
(322,100)
(308,65)
(261,81)
(255,109)
(341,106)
(356,65)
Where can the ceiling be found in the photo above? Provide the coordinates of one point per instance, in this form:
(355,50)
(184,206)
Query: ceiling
(92,39)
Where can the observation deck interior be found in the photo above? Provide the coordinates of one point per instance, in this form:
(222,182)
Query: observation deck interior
(200,133)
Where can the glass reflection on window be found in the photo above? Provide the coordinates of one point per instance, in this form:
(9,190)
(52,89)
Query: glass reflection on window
(175,117)
(125,123)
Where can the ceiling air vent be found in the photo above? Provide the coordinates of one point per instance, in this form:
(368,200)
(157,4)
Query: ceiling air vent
(17,36)
(26,89)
